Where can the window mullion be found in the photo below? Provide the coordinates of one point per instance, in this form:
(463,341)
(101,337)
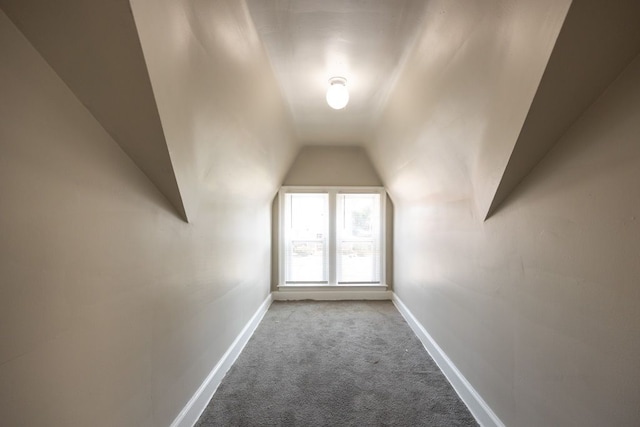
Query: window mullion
(367,246)
(333,249)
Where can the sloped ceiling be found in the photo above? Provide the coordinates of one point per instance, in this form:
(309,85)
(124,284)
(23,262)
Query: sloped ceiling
(597,41)
(94,47)
(451,99)
(310,41)
(466,97)
(226,123)
(453,117)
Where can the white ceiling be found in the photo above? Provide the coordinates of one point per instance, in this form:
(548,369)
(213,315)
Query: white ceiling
(439,88)
(309,41)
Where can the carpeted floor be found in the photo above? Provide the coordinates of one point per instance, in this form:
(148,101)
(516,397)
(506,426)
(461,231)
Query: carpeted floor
(347,363)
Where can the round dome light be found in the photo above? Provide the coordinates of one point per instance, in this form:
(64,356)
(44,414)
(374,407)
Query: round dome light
(337,94)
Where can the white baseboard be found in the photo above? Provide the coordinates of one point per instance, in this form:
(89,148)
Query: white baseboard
(331,295)
(199,401)
(478,407)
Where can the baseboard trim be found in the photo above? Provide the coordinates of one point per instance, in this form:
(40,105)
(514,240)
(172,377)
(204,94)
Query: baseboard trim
(478,407)
(199,401)
(331,295)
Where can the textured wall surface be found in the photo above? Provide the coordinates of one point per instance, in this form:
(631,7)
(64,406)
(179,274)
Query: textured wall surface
(537,306)
(113,310)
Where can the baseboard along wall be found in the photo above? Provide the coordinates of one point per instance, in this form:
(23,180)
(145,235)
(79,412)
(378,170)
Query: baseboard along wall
(197,404)
(199,401)
(478,407)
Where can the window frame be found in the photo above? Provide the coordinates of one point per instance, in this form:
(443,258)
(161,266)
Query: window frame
(332,192)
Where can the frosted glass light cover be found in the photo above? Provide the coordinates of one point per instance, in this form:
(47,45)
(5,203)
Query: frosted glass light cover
(337,94)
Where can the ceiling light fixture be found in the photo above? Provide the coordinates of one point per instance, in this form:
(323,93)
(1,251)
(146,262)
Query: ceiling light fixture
(337,94)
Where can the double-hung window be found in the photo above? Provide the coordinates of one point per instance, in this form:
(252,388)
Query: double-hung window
(331,236)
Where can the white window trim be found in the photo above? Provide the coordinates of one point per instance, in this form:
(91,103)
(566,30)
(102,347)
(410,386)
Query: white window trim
(332,191)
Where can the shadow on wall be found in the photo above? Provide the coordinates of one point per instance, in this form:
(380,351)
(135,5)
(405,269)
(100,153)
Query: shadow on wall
(108,300)
(82,44)
(568,172)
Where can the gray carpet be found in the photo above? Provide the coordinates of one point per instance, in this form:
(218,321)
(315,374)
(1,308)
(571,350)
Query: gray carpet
(346,363)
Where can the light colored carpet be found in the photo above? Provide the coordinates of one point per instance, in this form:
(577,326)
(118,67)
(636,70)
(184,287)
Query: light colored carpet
(347,363)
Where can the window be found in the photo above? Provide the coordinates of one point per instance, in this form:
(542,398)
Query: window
(358,237)
(331,236)
(306,231)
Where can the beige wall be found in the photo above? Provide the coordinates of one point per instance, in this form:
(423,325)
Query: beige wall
(459,103)
(214,85)
(95,49)
(537,306)
(332,166)
(597,41)
(113,310)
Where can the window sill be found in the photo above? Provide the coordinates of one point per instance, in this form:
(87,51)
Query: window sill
(340,287)
(292,292)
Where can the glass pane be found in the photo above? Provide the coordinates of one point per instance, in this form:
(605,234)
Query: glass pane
(358,238)
(306,225)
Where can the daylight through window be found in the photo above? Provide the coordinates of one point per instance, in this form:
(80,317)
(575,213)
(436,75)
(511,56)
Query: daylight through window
(331,236)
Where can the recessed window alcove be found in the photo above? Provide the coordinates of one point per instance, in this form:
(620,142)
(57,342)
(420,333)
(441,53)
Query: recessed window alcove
(332,224)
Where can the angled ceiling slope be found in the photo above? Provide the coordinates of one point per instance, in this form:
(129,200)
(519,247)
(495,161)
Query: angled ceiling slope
(95,49)
(310,41)
(597,41)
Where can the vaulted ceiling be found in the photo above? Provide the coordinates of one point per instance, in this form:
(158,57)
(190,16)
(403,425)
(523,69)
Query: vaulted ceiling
(447,66)
(310,41)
